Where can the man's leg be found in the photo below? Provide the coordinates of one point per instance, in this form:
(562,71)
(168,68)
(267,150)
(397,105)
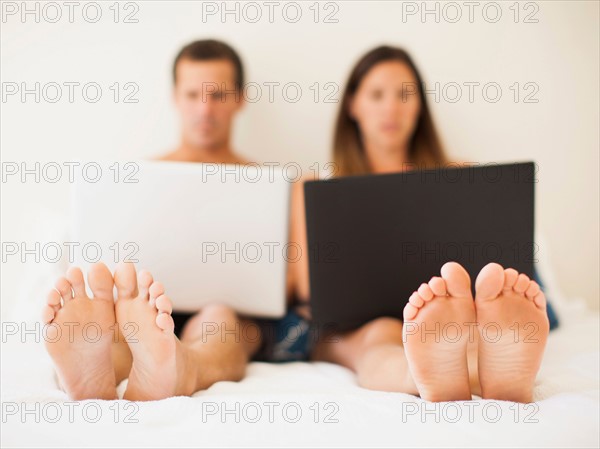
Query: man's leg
(79,336)
(222,344)
(217,344)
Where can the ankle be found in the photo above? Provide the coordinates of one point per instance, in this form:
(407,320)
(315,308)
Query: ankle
(188,363)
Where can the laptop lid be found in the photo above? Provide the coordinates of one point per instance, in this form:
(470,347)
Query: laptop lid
(374,239)
(208,232)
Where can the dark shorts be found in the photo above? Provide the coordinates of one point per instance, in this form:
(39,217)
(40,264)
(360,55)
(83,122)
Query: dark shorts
(286,339)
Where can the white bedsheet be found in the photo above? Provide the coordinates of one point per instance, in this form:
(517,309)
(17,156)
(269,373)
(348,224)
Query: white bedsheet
(566,413)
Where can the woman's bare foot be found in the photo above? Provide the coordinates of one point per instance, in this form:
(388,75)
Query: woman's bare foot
(436,329)
(79,333)
(160,367)
(513,328)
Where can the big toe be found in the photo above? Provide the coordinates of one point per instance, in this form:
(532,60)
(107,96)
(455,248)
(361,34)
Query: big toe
(489,282)
(458,282)
(126,281)
(101,282)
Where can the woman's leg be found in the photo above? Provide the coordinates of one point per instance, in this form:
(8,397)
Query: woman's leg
(449,346)
(430,356)
(513,328)
(439,324)
(374,352)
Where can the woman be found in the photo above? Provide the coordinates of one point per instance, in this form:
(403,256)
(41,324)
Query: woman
(384,125)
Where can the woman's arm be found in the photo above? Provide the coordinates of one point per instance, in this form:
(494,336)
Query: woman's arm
(297,285)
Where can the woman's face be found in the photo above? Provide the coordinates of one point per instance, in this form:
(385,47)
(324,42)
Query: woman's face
(386,106)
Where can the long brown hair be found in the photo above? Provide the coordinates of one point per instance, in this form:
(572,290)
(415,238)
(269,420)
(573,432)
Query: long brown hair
(425,149)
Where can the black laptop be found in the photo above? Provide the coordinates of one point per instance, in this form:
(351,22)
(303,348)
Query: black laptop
(374,239)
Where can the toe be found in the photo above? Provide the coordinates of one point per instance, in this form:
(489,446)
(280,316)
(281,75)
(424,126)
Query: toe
(522,284)
(126,281)
(144,282)
(53,299)
(163,304)
(437,286)
(410,312)
(533,290)
(64,288)
(510,277)
(416,300)
(101,282)
(48,314)
(75,277)
(457,280)
(52,306)
(156,289)
(489,282)
(425,292)
(165,322)
(540,300)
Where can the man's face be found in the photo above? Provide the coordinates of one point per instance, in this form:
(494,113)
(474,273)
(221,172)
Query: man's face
(205,98)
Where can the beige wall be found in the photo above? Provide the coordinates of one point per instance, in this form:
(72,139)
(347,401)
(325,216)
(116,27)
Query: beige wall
(559,54)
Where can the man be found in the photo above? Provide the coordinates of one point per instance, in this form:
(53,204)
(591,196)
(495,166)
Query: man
(208,80)
(139,338)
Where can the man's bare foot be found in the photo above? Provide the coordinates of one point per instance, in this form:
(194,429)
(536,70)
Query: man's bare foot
(436,332)
(159,367)
(513,328)
(79,333)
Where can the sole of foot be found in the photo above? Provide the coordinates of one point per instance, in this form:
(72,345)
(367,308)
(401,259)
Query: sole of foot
(144,317)
(80,332)
(513,328)
(437,322)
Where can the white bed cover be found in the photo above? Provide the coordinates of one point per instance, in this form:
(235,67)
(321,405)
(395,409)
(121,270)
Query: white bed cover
(300,404)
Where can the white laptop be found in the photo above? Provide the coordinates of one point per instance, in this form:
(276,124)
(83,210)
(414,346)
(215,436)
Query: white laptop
(209,232)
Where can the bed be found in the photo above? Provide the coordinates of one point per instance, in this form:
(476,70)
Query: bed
(300,404)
